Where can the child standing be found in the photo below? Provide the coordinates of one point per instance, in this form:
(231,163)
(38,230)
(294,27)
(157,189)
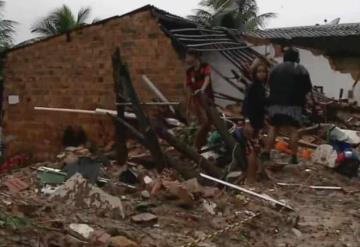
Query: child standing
(254,113)
(255,100)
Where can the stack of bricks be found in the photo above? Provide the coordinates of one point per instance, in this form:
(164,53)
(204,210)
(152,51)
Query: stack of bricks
(75,71)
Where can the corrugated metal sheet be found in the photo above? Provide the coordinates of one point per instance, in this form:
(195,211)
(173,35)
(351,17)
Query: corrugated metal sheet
(339,30)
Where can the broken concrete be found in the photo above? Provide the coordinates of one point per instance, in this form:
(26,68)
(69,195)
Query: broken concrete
(81,230)
(121,241)
(16,185)
(144,218)
(79,193)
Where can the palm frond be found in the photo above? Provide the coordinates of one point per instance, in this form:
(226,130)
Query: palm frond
(61,20)
(7,28)
(240,14)
(83,15)
(45,27)
(263,18)
(202,17)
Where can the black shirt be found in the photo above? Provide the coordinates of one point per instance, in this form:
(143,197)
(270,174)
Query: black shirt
(289,84)
(254,104)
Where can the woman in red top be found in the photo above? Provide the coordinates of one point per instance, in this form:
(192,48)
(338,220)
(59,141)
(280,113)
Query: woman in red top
(198,82)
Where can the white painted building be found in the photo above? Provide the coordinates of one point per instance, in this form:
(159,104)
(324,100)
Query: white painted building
(320,71)
(330,52)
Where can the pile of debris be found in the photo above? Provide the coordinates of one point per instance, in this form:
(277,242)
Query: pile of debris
(86,199)
(158,191)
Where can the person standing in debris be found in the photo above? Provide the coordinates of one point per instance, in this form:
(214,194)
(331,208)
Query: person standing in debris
(255,99)
(289,85)
(254,113)
(199,82)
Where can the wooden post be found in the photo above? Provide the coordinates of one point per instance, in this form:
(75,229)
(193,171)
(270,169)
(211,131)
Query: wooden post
(189,152)
(121,147)
(152,143)
(341,94)
(221,127)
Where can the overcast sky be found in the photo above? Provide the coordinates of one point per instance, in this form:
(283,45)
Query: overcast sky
(290,12)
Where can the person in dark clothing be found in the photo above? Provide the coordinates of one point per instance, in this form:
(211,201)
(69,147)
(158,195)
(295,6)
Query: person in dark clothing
(255,98)
(254,113)
(199,81)
(289,84)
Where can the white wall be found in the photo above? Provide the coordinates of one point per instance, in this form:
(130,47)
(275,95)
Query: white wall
(320,72)
(318,66)
(220,63)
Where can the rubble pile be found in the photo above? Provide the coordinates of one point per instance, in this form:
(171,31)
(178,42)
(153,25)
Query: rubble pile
(152,188)
(86,199)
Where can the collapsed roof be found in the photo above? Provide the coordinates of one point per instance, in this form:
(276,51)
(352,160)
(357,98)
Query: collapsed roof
(339,40)
(187,34)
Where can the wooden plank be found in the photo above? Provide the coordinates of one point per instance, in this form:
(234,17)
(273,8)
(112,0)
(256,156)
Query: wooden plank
(121,137)
(189,152)
(195,29)
(231,83)
(152,142)
(238,154)
(200,35)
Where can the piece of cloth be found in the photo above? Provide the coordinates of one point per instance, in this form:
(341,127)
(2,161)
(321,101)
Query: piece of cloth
(281,116)
(254,105)
(289,84)
(195,79)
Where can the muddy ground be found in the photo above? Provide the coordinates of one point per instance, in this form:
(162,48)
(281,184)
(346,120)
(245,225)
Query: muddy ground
(320,217)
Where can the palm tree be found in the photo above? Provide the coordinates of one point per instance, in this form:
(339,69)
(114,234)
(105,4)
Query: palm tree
(7,29)
(61,20)
(238,14)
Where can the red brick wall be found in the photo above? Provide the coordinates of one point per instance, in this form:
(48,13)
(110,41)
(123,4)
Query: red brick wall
(78,75)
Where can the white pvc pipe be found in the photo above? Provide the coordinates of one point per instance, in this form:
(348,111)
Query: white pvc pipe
(267,198)
(159,94)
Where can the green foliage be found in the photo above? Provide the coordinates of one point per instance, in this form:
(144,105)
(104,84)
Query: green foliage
(187,134)
(14,222)
(7,30)
(237,14)
(60,21)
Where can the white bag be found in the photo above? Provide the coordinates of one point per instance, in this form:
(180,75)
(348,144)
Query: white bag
(325,155)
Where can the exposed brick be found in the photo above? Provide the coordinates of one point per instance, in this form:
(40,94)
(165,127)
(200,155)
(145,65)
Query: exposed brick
(78,74)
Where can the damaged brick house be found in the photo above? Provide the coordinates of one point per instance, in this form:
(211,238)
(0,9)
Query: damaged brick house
(331,53)
(74,71)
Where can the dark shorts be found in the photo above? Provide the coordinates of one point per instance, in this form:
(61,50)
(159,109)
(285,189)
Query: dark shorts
(257,122)
(285,116)
(280,120)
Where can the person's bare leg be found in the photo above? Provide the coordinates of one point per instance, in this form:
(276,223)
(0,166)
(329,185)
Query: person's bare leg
(294,138)
(201,136)
(270,140)
(205,127)
(252,168)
